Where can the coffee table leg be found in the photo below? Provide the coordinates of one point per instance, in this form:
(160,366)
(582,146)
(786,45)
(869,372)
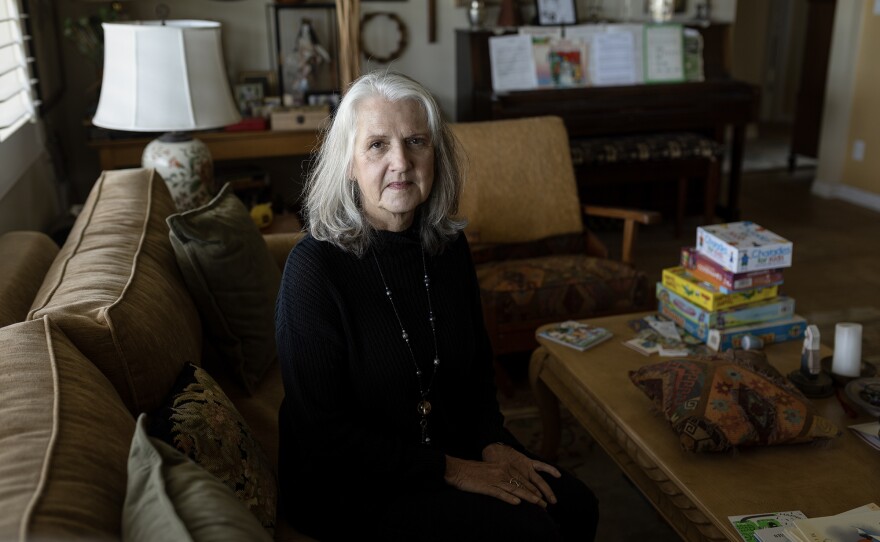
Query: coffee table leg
(548,405)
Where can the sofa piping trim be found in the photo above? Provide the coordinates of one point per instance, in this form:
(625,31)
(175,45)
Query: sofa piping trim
(131,274)
(53,437)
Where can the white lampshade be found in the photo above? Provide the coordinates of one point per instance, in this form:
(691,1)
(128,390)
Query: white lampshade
(163,76)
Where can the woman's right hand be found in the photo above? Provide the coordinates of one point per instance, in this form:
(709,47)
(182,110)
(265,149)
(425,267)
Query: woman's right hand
(492,479)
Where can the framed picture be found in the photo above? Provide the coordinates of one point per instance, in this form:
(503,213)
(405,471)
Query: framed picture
(306,48)
(249,97)
(556,12)
(266,79)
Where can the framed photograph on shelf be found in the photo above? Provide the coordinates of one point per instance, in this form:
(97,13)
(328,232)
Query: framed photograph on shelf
(306,48)
(266,79)
(556,12)
(249,98)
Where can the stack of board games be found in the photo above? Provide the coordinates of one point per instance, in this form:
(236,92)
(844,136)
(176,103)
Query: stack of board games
(727,286)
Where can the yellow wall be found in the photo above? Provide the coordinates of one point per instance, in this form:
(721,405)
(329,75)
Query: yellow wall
(865,113)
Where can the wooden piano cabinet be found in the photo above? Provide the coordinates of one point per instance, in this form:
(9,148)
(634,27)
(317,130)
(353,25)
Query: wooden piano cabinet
(711,107)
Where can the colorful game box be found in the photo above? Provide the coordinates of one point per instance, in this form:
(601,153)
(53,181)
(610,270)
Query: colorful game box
(761,311)
(744,246)
(707,296)
(776,331)
(701,267)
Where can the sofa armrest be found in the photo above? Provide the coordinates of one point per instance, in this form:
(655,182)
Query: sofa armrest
(280,245)
(631,219)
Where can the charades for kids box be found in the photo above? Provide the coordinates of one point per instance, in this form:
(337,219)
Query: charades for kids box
(743,246)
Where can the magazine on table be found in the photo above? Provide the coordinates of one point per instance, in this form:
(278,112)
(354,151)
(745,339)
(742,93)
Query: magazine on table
(576,335)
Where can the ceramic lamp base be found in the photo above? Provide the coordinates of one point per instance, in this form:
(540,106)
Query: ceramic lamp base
(186,165)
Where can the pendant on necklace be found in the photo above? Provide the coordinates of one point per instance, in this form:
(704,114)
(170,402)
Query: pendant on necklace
(424,407)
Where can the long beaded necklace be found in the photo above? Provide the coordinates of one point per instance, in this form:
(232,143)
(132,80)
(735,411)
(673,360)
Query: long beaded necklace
(424,406)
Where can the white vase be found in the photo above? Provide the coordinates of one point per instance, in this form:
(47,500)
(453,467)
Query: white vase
(187,168)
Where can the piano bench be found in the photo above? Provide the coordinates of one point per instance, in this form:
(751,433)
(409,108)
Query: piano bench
(681,156)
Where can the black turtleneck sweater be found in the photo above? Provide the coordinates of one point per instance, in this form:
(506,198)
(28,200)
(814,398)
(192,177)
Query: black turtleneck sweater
(349,417)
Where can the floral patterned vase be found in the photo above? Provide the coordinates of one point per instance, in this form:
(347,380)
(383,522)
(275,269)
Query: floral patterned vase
(186,167)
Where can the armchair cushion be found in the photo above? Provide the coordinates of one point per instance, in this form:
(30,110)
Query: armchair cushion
(559,287)
(570,243)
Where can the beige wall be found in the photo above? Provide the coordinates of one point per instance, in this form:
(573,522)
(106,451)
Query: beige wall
(865,114)
(850,110)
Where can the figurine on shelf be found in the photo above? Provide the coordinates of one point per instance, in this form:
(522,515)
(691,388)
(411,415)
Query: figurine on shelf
(302,63)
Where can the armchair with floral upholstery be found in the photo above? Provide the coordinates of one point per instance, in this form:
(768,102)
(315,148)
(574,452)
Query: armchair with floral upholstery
(536,262)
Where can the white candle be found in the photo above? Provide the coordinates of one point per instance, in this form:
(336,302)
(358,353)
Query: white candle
(847,349)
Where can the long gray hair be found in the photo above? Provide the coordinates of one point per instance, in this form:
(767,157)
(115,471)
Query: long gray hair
(332,206)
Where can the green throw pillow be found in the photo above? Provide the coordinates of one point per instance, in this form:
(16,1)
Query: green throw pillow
(200,421)
(737,399)
(234,281)
(171,498)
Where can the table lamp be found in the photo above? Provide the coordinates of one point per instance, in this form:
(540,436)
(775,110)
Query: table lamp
(168,76)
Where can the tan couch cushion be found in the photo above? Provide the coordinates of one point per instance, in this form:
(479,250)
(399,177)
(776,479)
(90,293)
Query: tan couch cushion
(25,256)
(116,291)
(64,439)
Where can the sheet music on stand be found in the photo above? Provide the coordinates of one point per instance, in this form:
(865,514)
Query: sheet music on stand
(612,59)
(513,66)
(664,53)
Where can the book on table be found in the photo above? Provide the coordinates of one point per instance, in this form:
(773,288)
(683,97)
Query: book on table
(869,432)
(577,335)
(749,525)
(859,525)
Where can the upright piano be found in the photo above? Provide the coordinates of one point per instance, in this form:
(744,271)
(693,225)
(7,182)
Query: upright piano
(719,107)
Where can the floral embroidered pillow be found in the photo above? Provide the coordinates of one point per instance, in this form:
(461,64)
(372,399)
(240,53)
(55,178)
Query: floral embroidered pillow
(734,400)
(199,420)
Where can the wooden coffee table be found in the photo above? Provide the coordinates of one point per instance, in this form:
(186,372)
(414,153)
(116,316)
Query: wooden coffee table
(697,492)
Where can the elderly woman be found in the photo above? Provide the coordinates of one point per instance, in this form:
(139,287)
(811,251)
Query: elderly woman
(390,425)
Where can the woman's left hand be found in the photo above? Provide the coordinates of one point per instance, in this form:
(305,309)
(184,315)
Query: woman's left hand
(522,469)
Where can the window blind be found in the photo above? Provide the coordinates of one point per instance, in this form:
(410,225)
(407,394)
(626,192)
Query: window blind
(17,103)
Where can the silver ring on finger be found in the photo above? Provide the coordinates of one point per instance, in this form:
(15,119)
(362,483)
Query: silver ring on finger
(515,482)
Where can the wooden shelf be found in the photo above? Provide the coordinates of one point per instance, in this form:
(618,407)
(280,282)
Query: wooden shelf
(120,153)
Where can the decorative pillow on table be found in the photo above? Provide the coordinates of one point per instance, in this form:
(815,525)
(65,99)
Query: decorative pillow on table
(199,420)
(233,279)
(171,498)
(734,400)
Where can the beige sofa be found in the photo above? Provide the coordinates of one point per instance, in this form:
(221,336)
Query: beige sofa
(91,335)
